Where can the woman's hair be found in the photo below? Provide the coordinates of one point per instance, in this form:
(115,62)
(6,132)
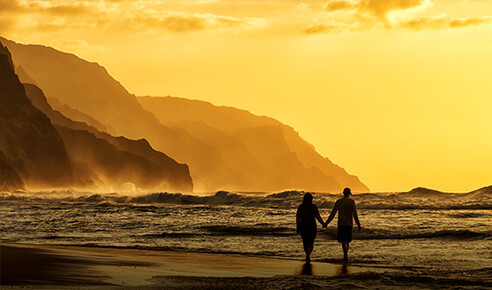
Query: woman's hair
(308,198)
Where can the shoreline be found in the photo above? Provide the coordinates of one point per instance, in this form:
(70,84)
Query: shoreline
(41,266)
(31,264)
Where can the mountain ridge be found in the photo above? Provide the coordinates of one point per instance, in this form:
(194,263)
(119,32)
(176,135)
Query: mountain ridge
(61,75)
(234,122)
(135,160)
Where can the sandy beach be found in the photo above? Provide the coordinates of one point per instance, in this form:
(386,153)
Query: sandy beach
(26,266)
(49,265)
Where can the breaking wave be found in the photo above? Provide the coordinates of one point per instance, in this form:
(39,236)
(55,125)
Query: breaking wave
(481,199)
(439,234)
(254,230)
(226,230)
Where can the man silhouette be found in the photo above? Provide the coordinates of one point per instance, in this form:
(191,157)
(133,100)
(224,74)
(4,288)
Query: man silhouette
(346,210)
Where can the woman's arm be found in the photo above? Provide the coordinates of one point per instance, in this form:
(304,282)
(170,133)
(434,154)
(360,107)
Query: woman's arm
(317,216)
(297,221)
(333,212)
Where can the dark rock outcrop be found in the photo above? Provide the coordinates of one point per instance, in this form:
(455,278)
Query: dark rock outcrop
(9,179)
(29,143)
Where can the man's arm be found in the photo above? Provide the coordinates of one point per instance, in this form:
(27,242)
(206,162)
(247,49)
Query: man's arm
(333,213)
(356,217)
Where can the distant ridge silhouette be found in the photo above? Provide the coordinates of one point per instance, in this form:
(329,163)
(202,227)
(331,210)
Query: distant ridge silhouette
(101,159)
(261,138)
(422,191)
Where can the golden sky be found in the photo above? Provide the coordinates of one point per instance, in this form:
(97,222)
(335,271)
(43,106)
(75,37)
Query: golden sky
(398,92)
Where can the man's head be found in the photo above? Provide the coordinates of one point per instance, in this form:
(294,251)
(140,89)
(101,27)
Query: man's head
(347,192)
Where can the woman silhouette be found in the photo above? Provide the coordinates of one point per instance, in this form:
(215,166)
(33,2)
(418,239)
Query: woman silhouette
(307,212)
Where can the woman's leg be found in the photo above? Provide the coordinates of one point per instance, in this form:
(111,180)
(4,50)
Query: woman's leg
(308,249)
(306,245)
(345,247)
(313,237)
(308,237)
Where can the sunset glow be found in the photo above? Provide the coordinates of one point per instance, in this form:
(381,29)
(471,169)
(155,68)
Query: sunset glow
(398,93)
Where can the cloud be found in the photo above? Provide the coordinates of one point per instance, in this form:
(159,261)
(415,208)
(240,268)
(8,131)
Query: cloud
(66,10)
(44,16)
(321,28)
(381,8)
(50,7)
(172,22)
(10,6)
(337,5)
(302,6)
(464,22)
(375,8)
(443,22)
(178,22)
(390,14)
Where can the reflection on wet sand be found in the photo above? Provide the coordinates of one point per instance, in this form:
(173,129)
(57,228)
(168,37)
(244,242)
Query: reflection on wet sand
(307,269)
(322,269)
(342,270)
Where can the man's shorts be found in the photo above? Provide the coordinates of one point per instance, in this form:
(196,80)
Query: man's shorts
(344,234)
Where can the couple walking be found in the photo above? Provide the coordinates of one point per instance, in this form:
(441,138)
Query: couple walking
(307,213)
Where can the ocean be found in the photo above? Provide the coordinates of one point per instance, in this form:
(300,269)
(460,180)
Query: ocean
(418,234)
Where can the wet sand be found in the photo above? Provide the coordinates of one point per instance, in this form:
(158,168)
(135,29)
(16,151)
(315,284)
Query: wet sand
(49,265)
